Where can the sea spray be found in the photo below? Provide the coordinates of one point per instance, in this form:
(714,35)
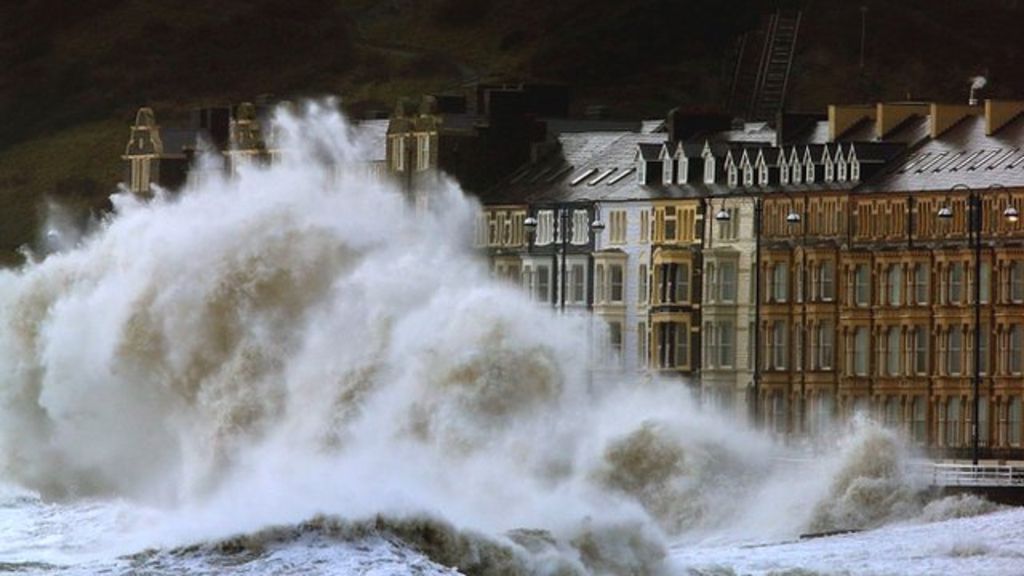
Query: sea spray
(298,342)
(871,484)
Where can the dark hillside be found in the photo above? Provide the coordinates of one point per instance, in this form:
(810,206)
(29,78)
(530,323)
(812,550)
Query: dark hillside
(72,73)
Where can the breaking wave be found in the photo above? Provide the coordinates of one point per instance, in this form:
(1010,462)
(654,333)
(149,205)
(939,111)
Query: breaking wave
(872,484)
(297,342)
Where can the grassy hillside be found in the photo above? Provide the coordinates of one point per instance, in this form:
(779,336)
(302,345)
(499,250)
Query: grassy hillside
(72,73)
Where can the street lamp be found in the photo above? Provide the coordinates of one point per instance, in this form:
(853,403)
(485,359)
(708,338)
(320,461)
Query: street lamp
(974,237)
(793,217)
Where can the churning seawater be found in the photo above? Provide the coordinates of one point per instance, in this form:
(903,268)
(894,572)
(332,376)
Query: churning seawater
(293,371)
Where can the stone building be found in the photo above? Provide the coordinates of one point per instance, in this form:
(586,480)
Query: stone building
(806,278)
(236,135)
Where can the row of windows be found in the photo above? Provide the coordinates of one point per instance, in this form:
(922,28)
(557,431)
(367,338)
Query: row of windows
(616,341)
(899,351)
(894,286)
(672,283)
(609,286)
(671,345)
(793,171)
(541,281)
(398,152)
(550,226)
(491,227)
(674,224)
(951,424)
(500,228)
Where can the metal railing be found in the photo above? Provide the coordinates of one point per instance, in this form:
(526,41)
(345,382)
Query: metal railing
(943,475)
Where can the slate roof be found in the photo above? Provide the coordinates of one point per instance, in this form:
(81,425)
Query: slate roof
(961,155)
(652,126)
(559,126)
(577,148)
(862,131)
(815,134)
(609,174)
(752,132)
(911,131)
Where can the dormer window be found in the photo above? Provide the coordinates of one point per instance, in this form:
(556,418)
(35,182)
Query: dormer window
(762,175)
(733,176)
(841,169)
(830,171)
(709,169)
(797,172)
(748,175)
(641,171)
(809,172)
(684,170)
(666,171)
(783,173)
(854,170)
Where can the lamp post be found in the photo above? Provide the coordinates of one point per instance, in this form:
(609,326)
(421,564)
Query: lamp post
(793,217)
(974,237)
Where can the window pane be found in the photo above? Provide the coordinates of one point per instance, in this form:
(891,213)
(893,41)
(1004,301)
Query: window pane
(682,282)
(1013,421)
(920,415)
(682,346)
(781,282)
(954,351)
(986,282)
(727,281)
(1017,283)
(616,273)
(577,283)
(1016,348)
(920,350)
(920,284)
(893,345)
(956,282)
(725,347)
(862,285)
(779,345)
(860,354)
(543,284)
(827,281)
(895,285)
(953,422)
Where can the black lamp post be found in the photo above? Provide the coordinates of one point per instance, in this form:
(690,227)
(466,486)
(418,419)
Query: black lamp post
(974,237)
(793,217)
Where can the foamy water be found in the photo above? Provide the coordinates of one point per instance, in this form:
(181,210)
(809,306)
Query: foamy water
(293,371)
